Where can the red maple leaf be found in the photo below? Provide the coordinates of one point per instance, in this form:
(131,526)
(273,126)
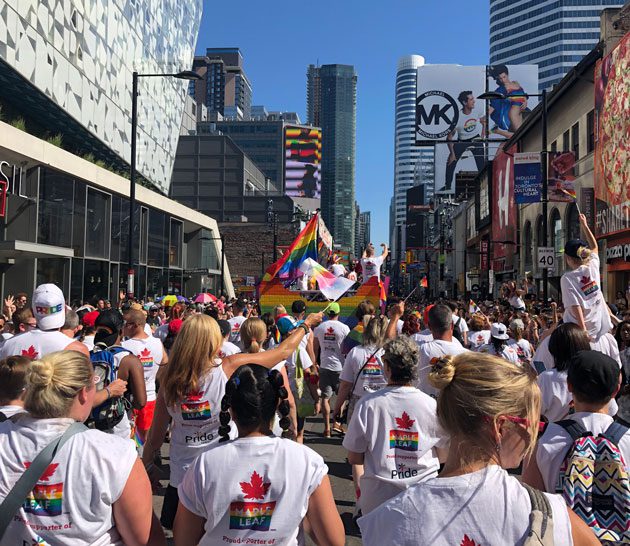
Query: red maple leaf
(467,541)
(194,396)
(404,421)
(146,353)
(330,331)
(255,489)
(47,473)
(31,353)
(372,360)
(585,280)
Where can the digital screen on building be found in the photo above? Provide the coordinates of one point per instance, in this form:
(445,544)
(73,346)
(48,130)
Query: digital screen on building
(303,162)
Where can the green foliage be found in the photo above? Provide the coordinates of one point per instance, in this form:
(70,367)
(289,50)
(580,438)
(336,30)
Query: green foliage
(55,140)
(100,163)
(19,123)
(89,157)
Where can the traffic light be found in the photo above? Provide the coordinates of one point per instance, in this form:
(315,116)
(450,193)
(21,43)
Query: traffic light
(403,268)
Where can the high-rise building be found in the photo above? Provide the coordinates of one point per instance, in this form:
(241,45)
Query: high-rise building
(555,35)
(331,104)
(363,232)
(225,88)
(413,165)
(72,64)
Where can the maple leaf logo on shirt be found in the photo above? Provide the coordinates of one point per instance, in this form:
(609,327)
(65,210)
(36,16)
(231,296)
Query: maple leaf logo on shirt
(330,331)
(255,488)
(467,541)
(47,474)
(585,280)
(31,353)
(404,421)
(194,396)
(146,353)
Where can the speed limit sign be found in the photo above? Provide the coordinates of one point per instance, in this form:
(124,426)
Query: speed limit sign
(546,257)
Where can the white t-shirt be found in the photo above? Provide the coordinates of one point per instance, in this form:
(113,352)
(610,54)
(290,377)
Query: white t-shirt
(554,445)
(582,287)
(477,339)
(195,423)
(35,344)
(292,362)
(330,335)
(10,411)
(430,350)
(399,326)
(422,337)
(150,351)
(543,359)
(338,270)
(235,331)
(371,378)
(397,430)
(72,501)
(517,302)
(523,349)
(469,125)
(508,352)
(608,345)
(261,494)
(371,267)
(228,348)
(88,341)
(488,507)
(555,396)
(461,324)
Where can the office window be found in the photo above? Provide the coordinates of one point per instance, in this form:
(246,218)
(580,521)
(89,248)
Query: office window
(157,240)
(590,131)
(175,244)
(565,141)
(56,199)
(575,140)
(97,224)
(144,234)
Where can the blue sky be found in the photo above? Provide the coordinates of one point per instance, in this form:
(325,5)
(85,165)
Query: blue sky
(279,39)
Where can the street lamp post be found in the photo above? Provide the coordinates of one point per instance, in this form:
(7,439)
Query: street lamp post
(490,95)
(183,75)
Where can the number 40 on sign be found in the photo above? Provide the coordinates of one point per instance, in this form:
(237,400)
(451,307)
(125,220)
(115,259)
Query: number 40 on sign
(546,257)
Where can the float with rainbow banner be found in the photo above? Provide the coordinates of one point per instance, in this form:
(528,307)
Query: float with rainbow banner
(281,283)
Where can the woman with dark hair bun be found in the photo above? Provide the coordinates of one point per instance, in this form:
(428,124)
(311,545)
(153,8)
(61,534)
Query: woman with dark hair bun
(268,485)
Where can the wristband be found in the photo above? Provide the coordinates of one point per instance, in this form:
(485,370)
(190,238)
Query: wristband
(109,393)
(305,328)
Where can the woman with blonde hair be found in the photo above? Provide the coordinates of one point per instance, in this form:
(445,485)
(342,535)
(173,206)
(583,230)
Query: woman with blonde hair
(582,298)
(491,410)
(95,490)
(190,397)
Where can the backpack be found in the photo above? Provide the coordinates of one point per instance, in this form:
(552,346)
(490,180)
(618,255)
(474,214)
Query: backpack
(457,333)
(111,412)
(594,481)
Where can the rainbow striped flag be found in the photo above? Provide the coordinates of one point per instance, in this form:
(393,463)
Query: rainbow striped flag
(332,287)
(424,283)
(569,192)
(304,246)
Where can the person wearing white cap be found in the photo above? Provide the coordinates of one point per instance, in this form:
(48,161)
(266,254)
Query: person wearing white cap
(498,345)
(49,309)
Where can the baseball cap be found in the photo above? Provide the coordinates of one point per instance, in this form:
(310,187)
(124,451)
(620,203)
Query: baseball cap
(572,247)
(175,326)
(285,324)
(333,309)
(298,306)
(49,307)
(154,308)
(109,319)
(225,327)
(90,318)
(499,331)
(594,374)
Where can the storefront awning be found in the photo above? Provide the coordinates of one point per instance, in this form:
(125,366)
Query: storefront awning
(25,249)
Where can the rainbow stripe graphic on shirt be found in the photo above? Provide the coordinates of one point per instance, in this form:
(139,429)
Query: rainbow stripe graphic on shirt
(404,439)
(196,411)
(44,500)
(372,368)
(255,516)
(146,358)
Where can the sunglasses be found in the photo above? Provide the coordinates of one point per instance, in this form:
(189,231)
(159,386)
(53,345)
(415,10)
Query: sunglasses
(519,421)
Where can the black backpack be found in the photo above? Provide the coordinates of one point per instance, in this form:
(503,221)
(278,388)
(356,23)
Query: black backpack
(457,333)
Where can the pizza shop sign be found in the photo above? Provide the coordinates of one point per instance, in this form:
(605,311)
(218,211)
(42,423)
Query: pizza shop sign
(618,252)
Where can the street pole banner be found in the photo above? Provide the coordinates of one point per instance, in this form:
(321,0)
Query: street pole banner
(561,176)
(527,178)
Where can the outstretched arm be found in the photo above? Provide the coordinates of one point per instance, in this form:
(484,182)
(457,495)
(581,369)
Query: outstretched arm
(590,238)
(385,251)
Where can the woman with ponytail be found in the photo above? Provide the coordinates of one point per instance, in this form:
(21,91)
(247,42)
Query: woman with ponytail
(491,410)
(266,486)
(584,303)
(95,491)
(190,397)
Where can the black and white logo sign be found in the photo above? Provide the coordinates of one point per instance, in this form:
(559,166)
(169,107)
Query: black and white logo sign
(436,115)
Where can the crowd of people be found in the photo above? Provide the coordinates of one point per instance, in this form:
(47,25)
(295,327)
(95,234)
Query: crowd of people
(466,424)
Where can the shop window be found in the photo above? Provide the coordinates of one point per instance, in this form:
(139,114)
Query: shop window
(144,234)
(157,242)
(97,224)
(573,222)
(175,244)
(76,281)
(95,280)
(56,198)
(116,217)
(156,282)
(54,270)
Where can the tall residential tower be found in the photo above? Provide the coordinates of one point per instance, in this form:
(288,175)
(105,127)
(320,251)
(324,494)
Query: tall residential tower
(331,105)
(554,34)
(413,164)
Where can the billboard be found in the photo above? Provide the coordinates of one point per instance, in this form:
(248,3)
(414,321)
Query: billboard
(465,130)
(561,176)
(303,161)
(504,221)
(527,178)
(612,146)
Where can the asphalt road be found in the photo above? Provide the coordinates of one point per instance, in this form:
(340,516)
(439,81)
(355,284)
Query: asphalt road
(338,470)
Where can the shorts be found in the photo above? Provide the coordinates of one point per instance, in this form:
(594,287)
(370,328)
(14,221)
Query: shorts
(144,417)
(169,508)
(328,382)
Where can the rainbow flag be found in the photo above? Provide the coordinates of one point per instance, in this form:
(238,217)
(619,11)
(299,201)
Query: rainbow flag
(304,246)
(473,307)
(569,192)
(424,283)
(332,287)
